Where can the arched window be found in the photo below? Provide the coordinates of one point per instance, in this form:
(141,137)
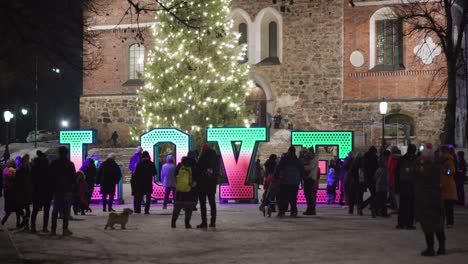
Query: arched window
(243,38)
(386,40)
(398,125)
(273,40)
(136,61)
(256,104)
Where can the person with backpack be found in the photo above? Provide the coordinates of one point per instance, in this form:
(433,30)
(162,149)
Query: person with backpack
(184,197)
(143,183)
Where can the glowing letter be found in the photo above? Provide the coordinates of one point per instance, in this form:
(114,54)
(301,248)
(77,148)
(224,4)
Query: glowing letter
(307,139)
(237,163)
(149,141)
(78,141)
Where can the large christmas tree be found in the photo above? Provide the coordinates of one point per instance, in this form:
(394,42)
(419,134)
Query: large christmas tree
(193,78)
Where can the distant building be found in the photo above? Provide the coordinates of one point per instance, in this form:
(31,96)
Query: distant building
(323,64)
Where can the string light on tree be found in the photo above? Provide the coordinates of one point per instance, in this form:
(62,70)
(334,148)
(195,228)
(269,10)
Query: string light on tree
(193,78)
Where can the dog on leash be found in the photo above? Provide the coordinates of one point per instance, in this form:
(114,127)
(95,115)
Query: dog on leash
(118,219)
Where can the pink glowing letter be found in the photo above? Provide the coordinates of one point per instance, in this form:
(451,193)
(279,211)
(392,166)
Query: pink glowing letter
(237,162)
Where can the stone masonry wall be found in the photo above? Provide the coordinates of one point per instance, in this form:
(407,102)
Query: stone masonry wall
(107,114)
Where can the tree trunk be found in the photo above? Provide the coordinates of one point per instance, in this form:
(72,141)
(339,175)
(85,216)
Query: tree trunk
(450,108)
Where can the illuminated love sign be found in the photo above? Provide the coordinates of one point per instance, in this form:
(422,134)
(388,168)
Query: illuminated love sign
(150,140)
(237,161)
(342,139)
(237,146)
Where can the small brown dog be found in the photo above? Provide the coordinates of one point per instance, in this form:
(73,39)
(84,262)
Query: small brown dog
(119,219)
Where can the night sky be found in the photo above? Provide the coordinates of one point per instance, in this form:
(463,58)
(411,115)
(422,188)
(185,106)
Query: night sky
(51,31)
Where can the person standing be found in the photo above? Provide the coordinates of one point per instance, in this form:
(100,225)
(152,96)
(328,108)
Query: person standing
(460,177)
(42,192)
(62,177)
(24,189)
(381,185)
(344,182)
(310,166)
(405,187)
(184,197)
(429,208)
(449,190)
(90,171)
(209,166)
(370,163)
(354,183)
(168,179)
(291,171)
(143,183)
(114,138)
(109,175)
(9,190)
(392,164)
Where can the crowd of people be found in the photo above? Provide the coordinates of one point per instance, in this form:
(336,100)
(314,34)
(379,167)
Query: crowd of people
(420,186)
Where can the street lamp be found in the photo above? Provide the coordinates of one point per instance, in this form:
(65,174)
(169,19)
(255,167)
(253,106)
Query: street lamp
(7,116)
(24,111)
(383,107)
(64,123)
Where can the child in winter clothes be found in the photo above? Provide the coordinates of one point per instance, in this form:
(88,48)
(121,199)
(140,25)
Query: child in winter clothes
(331,186)
(81,189)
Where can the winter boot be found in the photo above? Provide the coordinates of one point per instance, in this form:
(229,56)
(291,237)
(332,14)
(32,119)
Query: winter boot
(441,239)
(429,252)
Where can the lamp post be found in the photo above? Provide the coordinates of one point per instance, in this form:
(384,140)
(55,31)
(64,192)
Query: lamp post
(383,107)
(7,116)
(64,123)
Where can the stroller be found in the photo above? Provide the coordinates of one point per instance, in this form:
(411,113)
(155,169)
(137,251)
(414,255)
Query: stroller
(269,199)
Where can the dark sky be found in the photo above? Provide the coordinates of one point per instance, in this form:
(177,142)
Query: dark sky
(51,31)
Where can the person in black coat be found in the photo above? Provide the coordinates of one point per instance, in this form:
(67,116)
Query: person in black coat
(209,166)
(42,191)
(24,190)
(290,171)
(109,175)
(142,181)
(62,178)
(90,171)
(370,166)
(404,185)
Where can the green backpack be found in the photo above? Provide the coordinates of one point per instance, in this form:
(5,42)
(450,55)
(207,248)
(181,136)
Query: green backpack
(184,179)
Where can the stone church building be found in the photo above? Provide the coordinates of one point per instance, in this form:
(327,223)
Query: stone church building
(321,64)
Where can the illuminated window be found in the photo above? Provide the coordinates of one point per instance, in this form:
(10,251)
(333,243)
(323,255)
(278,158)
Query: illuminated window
(136,61)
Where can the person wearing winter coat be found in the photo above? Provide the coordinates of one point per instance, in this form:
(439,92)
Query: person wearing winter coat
(392,164)
(9,191)
(404,186)
(168,179)
(449,189)
(310,170)
(134,160)
(42,191)
(209,168)
(24,189)
(344,187)
(331,185)
(90,171)
(62,178)
(355,184)
(108,177)
(80,201)
(290,171)
(370,165)
(382,185)
(184,196)
(460,177)
(429,207)
(143,183)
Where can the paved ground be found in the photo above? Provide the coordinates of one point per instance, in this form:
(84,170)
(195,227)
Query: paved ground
(242,235)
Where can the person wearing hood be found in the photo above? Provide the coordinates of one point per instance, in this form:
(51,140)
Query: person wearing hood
(108,177)
(143,183)
(449,189)
(168,179)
